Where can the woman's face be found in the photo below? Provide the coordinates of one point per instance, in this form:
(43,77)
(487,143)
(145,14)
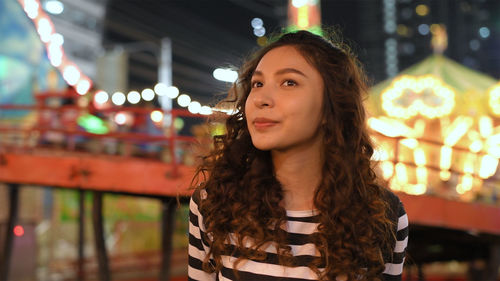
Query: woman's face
(284,107)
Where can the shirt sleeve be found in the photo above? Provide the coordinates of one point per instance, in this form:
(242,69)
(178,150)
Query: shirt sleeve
(197,248)
(394,269)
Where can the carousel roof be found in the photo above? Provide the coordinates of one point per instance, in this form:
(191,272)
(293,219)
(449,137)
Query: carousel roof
(470,87)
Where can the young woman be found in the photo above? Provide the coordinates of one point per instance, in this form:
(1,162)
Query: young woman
(290,192)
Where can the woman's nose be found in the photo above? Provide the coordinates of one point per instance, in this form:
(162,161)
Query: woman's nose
(263,98)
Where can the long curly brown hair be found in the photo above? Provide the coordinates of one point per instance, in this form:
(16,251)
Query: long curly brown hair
(355,231)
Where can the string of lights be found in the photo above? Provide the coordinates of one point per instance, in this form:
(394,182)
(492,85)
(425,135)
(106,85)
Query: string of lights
(74,77)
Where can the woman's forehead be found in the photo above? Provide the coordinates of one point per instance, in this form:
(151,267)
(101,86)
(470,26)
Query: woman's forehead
(283,57)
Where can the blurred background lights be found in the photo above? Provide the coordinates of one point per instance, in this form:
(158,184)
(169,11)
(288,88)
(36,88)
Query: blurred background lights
(474,44)
(226,75)
(172,92)
(259,32)
(83,87)
(157,116)
(120,118)
(484,32)
(257,23)
(422,10)
(178,123)
(148,94)
(31,8)
(194,107)
(390,27)
(53,6)
(161,89)
(55,54)
(134,97)
(118,98)
(423,29)
(205,110)
(57,39)
(402,30)
(183,100)
(299,3)
(44,29)
(18,230)
(101,97)
(71,74)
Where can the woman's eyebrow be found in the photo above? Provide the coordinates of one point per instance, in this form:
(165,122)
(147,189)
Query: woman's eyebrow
(281,72)
(289,70)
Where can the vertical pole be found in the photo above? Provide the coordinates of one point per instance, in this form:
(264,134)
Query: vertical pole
(420,272)
(9,237)
(408,269)
(81,235)
(493,262)
(167,231)
(173,152)
(102,258)
(165,77)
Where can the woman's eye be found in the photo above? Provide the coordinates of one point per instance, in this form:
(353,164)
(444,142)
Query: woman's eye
(289,83)
(256,84)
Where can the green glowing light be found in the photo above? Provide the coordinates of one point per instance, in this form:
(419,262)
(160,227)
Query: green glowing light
(92,124)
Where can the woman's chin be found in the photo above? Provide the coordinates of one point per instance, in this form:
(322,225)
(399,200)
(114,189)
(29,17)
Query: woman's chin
(263,146)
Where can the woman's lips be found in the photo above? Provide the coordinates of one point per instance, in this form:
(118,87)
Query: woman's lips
(263,123)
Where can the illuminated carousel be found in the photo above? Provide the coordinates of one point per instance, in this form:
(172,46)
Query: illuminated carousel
(436,130)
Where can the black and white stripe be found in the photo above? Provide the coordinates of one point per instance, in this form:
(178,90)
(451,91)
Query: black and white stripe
(300,226)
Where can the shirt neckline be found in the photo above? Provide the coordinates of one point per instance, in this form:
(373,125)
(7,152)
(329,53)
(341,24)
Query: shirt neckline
(302,213)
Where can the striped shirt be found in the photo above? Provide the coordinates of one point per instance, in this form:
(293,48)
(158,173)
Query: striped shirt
(300,226)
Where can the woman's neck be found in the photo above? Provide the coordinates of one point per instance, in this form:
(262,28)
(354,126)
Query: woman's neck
(299,172)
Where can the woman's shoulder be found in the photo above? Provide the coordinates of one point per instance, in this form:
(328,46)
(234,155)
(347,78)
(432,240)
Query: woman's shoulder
(391,197)
(394,204)
(199,194)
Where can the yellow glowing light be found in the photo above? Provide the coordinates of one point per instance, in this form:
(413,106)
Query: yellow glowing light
(387,168)
(457,130)
(467,181)
(422,175)
(422,10)
(434,28)
(494,151)
(489,166)
(402,30)
(419,156)
(422,87)
(410,143)
(444,175)
(469,163)
(460,189)
(416,189)
(474,135)
(485,126)
(419,128)
(303,16)
(476,146)
(389,127)
(401,173)
(380,154)
(156,116)
(494,93)
(394,185)
(445,161)
(494,140)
